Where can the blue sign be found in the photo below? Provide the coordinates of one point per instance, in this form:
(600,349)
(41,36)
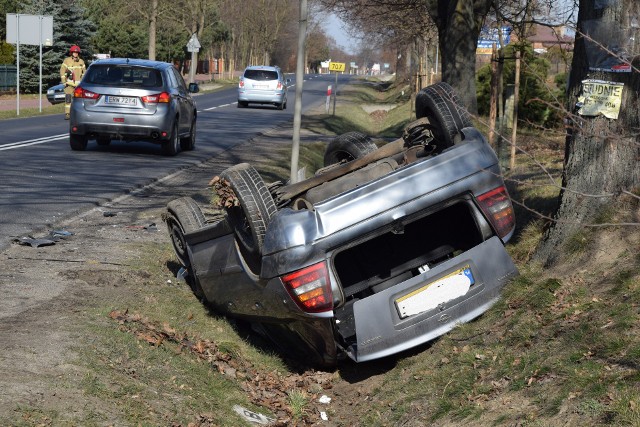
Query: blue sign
(489,36)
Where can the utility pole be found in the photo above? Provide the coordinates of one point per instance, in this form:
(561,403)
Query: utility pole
(297,112)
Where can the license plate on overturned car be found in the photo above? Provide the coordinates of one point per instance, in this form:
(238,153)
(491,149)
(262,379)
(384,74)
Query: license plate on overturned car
(428,297)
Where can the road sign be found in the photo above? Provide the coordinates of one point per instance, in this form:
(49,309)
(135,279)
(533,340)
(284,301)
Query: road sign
(29,29)
(194,44)
(337,66)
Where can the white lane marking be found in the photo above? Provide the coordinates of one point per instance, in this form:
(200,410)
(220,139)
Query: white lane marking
(36,141)
(218,106)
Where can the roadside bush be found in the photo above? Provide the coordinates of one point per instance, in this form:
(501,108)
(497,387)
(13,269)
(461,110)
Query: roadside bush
(540,103)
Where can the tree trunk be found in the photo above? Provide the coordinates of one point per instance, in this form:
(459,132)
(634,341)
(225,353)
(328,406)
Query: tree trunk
(601,154)
(402,65)
(459,23)
(153,21)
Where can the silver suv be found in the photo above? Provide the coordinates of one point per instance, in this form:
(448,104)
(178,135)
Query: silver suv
(133,100)
(262,84)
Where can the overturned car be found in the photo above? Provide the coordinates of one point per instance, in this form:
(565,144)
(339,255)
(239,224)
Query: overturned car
(382,250)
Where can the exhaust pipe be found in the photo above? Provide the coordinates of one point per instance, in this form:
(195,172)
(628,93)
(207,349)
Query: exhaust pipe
(155,135)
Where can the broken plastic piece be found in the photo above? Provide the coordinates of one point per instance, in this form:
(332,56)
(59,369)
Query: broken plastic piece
(151,227)
(253,417)
(34,243)
(61,233)
(56,235)
(324,399)
(182,274)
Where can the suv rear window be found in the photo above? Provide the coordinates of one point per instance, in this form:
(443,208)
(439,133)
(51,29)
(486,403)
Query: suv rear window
(261,75)
(112,75)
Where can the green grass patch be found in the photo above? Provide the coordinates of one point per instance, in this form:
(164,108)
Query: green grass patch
(47,109)
(355,110)
(151,383)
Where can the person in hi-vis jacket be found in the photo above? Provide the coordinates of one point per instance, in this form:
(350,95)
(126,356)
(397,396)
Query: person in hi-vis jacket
(71,73)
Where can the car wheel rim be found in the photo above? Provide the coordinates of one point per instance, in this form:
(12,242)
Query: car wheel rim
(179,244)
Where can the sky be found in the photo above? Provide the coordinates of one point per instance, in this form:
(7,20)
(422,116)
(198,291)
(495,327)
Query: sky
(335,27)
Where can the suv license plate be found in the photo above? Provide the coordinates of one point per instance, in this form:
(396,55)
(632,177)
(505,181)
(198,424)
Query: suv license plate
(428,297)
(120,100)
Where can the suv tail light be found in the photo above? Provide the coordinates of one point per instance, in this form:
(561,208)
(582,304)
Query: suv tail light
(241,83)
(279,87)
(496,205)
(310,288)
(158,98)
(79,92)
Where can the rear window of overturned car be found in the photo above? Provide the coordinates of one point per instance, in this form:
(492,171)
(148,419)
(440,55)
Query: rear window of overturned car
(119,75)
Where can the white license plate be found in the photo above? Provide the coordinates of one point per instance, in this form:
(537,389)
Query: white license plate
(120,100)
(428,297)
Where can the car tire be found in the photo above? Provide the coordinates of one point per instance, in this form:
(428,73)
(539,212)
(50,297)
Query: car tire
(103,141)
(347,147)
(171,146)
(441,105)
(242,104)
(280,106)
(189,143)
(184,216)
(249,220)
(78,142)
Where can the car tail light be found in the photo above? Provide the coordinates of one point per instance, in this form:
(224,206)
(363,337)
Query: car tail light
(279,87)
(241,83)
(310,288)
(158,98)
(496,205)
(80,92)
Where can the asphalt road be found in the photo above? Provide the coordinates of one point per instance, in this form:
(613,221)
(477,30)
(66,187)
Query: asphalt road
(43,181)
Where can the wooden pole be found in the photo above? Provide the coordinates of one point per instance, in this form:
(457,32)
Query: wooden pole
(516,90)
(493,107)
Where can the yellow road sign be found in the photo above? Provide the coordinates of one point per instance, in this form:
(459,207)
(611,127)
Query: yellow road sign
(336,66)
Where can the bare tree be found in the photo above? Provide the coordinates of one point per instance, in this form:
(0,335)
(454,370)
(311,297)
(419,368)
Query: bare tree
(398,27)
(458,22)
(601,170)
(256,27)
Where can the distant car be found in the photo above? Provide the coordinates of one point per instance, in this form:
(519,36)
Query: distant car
(262,84)
(55,94)
(133,100)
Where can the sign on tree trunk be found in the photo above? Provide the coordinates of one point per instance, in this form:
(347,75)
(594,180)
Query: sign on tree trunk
(602,148)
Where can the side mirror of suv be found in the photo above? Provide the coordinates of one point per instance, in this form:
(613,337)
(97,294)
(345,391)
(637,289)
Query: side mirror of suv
(194,88)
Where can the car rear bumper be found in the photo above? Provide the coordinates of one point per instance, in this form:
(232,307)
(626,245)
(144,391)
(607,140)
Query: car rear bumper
(261,97)
(120,131)
(381,331)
